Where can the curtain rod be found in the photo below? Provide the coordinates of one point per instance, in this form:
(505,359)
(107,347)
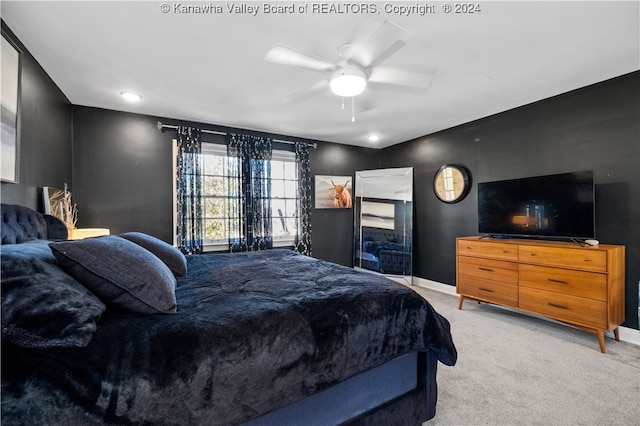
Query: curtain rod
(162,128)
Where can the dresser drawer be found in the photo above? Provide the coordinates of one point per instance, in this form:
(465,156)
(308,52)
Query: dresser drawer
(488,290)
(488,249)
(579,258)
(576,310)
(496,270)
(590,285)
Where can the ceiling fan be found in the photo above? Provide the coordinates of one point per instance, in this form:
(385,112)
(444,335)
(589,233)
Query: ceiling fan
(357,66)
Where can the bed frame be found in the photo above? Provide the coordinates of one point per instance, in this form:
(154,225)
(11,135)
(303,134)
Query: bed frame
(400,392)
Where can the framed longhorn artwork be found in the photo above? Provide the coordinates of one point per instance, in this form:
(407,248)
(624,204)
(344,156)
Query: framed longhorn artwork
(333,192)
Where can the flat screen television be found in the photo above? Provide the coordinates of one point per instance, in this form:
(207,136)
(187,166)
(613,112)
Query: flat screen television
(559,206)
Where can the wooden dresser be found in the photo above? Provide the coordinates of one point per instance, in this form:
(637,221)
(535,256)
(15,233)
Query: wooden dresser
(581,286)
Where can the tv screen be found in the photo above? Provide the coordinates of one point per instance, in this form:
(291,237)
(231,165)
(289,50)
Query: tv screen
(557,206)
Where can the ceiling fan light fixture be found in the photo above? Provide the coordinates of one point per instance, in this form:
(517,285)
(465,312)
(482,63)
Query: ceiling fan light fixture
(348,81)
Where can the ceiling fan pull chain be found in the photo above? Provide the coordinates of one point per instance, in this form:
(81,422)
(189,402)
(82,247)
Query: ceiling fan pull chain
(342,102)
(353,109)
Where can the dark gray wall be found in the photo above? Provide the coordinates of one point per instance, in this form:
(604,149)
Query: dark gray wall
(45,135)
(595,128)
(122,172)
(333,228)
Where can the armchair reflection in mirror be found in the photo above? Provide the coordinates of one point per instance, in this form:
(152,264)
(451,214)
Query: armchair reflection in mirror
(383,221)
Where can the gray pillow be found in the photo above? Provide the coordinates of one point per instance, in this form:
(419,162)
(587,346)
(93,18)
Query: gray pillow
(42,306)
(121,273)
(171,256)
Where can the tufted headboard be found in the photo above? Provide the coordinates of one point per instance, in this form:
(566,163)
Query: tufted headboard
(20,224)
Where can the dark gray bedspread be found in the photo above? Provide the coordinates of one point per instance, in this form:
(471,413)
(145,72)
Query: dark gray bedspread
(254,332)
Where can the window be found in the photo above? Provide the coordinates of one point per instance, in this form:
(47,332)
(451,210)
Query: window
(218,198)
(284,193)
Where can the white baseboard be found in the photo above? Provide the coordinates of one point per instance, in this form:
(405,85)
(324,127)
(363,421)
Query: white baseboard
(434,285)
(629,335)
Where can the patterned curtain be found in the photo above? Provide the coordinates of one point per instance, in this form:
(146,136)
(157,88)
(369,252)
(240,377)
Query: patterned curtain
(303,206)
(250,159)
(189,186)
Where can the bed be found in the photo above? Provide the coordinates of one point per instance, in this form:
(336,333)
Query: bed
(127,330)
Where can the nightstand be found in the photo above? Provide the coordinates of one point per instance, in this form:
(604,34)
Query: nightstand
(81,233)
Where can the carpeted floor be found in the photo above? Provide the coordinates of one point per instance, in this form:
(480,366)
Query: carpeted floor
(514,369)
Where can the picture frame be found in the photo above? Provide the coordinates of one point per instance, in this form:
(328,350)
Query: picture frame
(53,201)
(378,215)
(10,115)
(333,192)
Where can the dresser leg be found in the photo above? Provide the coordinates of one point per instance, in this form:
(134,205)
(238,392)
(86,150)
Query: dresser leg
(616,334)
(461,300)
(601,341)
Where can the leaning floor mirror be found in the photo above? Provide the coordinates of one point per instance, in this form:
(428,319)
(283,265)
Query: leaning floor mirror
(383,221)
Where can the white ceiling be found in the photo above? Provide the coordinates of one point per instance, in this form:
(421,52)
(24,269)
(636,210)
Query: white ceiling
(210,67)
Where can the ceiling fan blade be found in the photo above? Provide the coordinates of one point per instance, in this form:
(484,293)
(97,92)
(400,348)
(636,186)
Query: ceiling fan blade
(364,103)
(382,39)
(308,92)
(288,56)
(387,53)
(400,77)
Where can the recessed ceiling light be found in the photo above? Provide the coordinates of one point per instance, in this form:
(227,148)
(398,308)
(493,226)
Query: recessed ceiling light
(130,96)
(374,138)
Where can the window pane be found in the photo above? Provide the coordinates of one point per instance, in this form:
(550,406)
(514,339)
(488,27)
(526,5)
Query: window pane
(214,207)
(291,225)
(277,189)
(278,205)
(291,188)
(278,230)
(213,164)
(277,170)
(214,229)
(290,169)
(291,207)
(213,185)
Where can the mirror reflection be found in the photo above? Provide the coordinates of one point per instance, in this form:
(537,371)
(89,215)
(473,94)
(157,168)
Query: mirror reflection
(383,210)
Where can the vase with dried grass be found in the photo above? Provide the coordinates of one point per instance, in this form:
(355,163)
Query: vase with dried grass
(69,211)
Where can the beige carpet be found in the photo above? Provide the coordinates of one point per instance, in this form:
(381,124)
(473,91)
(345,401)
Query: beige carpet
(514,369)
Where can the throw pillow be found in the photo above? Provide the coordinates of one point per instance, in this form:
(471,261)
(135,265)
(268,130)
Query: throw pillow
(121,273)
(42,306)
(171,256)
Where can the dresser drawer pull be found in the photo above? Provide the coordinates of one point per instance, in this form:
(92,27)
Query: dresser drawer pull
(485,289)
(485,269)
(557,281)
(557,306)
